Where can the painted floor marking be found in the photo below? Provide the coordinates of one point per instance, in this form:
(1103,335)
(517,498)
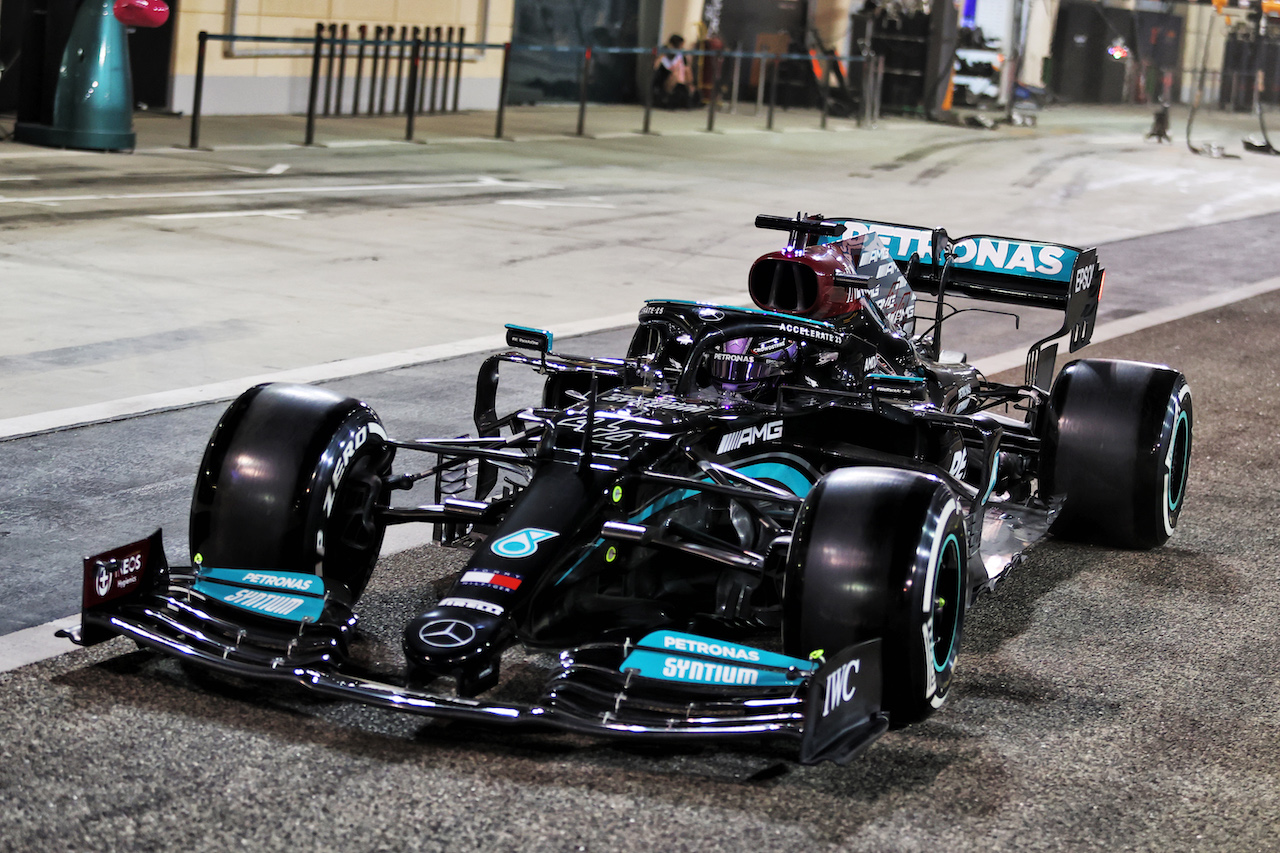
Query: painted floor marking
(277,169)
(51,152)
(543,205)
(483,181)
(32,645)
(278,212)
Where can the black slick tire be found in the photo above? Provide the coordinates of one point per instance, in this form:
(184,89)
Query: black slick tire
(1121,436)
(291,480)
(881,552)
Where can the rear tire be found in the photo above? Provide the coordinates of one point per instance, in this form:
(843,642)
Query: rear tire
(1123,433)
(291,480)
(881,553)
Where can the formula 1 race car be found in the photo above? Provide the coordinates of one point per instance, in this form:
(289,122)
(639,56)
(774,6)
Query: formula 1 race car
(759,522)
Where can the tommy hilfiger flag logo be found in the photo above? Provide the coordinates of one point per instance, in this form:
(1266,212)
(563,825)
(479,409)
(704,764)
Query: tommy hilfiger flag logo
(492,579)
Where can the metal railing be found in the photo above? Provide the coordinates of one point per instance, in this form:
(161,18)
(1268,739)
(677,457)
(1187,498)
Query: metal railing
(444,55)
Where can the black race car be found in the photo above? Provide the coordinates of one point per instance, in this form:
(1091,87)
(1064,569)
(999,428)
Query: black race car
(759,522)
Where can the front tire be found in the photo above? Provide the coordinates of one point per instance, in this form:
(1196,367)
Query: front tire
(292,480)
(1123,433)
(881,553)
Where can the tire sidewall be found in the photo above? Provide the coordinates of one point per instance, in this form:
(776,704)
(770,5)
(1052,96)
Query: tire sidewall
(1166,493)
(1116,429)
(872,550)
(358,441)
(938,573)
(275,478)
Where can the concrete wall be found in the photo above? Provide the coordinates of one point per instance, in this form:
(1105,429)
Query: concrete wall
(278,95)
(250,83)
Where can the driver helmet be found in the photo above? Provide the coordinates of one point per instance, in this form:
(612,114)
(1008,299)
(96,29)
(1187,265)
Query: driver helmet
(744,364)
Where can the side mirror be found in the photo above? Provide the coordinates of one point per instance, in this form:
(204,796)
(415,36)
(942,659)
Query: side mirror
(523,337)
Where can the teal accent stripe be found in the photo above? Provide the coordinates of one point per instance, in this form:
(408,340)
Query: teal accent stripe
(1179,426)
(991,486)
(895,376)
(951,542)
(293,583)
(275,604)
(791,479)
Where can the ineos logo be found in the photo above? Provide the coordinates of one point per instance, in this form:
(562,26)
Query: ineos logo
(446,633)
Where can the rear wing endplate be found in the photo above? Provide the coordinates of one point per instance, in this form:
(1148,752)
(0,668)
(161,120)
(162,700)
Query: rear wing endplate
(998,269)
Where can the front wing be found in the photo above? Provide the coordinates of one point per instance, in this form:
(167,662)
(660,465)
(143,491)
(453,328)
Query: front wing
(833,710)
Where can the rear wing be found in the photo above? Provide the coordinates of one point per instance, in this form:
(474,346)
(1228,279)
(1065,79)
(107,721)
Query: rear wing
(998,269)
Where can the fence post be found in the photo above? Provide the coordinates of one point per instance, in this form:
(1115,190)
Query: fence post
(648,88)
(824,91)
(422,70)
(411,96)
(878,88)
(502,88)
(386,69)
(363,33)
(435,69)
(761,77)
(457,77)
(373,70)
(582,90)
(868,74)
(733,86)
(342,72)
(328,71)
(313,92)
(448,61)
(198,96)
(714,101)
(404,38)
(773,91)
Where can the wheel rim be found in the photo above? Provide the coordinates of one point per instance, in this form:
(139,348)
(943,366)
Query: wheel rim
(353,525)
(947,603)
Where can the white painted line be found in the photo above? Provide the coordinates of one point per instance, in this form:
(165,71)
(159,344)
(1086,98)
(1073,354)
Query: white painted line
(364,143)
(277,169)
(1127,326)
(279,212)
(32,645)
(182,149)
(19,178)
(543,205)
(483,181)
(460,140)
(47,152)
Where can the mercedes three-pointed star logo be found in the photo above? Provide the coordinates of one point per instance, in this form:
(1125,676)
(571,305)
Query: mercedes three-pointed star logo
(446,633)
